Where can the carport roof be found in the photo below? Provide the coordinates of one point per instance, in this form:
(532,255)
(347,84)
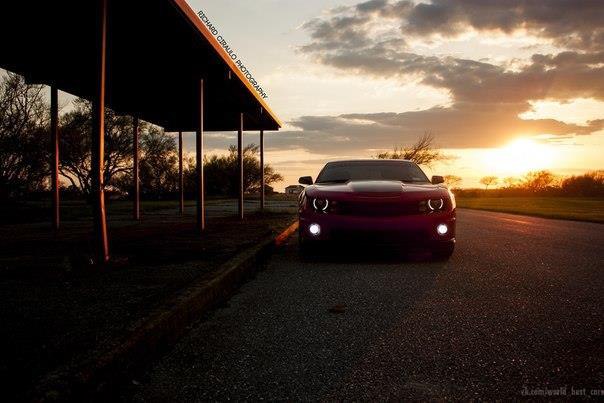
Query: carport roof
(157,51)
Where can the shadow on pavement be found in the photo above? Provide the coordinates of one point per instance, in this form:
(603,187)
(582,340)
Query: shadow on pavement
(368,253)
(301,329)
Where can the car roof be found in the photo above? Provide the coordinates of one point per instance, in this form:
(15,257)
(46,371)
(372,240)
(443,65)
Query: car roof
(367,160)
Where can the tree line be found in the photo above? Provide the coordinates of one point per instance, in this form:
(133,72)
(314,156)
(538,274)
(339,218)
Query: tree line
(544,182)
(25,152)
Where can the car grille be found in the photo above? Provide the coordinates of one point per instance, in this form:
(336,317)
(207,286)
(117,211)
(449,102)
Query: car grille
(398,238)
(375,209)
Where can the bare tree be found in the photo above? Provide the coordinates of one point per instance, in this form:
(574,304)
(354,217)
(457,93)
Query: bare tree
(76,137)
(488,181)
(539,180)
(510,182)
(452,181)
(423,152)
(23,135)
(159,164)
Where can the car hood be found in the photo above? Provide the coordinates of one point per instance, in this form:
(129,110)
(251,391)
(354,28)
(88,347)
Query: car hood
(374,189)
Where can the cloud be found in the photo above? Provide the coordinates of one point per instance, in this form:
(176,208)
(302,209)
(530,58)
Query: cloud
(573,24)
(464,125)
(373,38)
(346,41)
(568,23)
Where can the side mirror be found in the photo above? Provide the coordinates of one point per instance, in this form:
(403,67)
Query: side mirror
(305,180)
(436,179)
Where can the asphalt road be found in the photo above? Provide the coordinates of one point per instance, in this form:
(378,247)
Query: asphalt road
(520,304)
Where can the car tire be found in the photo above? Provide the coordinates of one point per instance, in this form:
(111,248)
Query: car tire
(443,252)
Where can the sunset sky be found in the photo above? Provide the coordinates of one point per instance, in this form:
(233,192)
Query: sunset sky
(505,86)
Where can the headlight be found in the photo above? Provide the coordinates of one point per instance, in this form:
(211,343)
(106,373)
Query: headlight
(314,229)
(320,204)
(442,229)
(436,204)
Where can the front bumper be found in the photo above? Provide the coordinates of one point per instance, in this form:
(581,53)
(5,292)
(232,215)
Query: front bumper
(417,228)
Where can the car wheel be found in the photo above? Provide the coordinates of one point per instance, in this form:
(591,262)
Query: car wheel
(443,252)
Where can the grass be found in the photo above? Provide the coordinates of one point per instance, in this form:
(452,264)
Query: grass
(39,211)
(566,208)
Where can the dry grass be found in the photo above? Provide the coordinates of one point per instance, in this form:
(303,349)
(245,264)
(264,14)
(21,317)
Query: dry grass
(567,208)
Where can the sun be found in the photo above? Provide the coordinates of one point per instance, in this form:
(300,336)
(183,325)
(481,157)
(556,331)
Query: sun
(519,156)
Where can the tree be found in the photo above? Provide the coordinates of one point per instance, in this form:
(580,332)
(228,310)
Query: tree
(488,181)
(24,134)
(588,184)
(159,162)
(452,181)
(510,182)
(189,168)
(539,180)
(76,143)
(423,152)
(222,174)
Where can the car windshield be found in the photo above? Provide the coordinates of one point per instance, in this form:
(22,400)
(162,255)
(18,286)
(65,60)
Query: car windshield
(340,172)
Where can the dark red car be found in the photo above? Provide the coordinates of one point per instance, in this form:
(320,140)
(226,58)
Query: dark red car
(377,200)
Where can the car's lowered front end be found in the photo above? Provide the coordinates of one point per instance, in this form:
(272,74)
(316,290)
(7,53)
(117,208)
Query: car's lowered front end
(379,211)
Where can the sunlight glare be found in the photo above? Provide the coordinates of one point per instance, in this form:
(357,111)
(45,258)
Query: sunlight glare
(519,157)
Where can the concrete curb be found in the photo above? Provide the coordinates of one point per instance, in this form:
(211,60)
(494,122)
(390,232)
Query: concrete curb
(105,369)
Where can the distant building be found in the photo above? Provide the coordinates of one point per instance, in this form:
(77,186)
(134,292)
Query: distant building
(293,189)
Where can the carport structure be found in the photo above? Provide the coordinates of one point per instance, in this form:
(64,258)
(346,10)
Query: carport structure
(151,59)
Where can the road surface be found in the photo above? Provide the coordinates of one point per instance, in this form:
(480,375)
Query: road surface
(518,309)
